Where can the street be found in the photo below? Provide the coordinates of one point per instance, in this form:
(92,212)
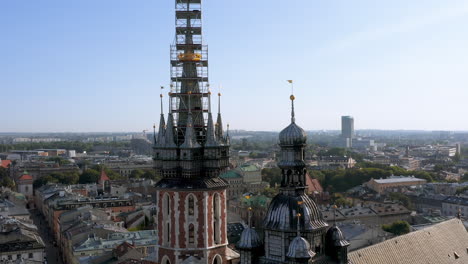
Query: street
(52,252)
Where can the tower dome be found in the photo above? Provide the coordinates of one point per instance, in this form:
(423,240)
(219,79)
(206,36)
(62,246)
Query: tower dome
(249,239)
(300,249)
(284,208)
(292,134)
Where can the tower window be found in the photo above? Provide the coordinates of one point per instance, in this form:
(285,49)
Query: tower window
(191,234)
(216,219)
(191,205)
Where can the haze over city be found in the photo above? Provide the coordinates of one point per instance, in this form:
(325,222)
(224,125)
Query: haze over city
(98,65)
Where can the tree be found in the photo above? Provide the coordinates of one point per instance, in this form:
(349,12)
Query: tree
(270,192)
(402,198)
(89,176)
(397,228)
(137,174)
(272,176)
(43,181)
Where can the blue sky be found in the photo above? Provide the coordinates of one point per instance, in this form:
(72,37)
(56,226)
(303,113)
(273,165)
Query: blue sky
(97,65)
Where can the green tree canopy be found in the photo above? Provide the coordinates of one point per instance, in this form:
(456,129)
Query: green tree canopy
(397,228)
(89,176)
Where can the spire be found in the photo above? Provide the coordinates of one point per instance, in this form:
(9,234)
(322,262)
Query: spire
(154,133)
(219,121)
(293,119)
(169,135)
(210,132)
(228,138)
(162,126)
(190,140)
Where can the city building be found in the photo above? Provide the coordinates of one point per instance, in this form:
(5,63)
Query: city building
(394,183)
(347,128)
(190,153)
(20,243)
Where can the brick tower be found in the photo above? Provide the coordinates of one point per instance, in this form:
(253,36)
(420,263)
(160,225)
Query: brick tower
(190,152)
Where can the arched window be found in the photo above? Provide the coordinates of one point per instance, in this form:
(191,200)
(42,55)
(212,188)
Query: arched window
(165,260)
(168,229)
(216,219)
(167,204)
(191,234)
(217,260)
(166,214)
(191,205)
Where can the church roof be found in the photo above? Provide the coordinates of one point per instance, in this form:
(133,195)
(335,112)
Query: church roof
(25,177)
(284,208)
(444,243)
(5,163)
(103,177)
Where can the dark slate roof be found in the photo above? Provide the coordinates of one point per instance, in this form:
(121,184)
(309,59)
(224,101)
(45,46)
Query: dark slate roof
(249,239)
(203,183)
(282,213)
(444,243)
(292,135)
(300,249)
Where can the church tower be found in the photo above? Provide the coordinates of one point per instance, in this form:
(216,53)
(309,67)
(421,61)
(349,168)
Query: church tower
(292,212)
(190,153)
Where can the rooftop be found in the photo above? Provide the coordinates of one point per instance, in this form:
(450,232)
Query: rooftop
(444,243)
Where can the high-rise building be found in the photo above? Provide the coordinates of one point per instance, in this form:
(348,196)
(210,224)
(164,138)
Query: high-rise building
(190,153)
(347,127)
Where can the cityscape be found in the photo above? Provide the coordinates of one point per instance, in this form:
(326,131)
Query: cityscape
(184,185)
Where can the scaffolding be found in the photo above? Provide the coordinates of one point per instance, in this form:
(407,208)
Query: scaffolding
(189,70)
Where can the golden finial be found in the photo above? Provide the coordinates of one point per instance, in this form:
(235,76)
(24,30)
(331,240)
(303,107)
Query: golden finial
(219,94)
(298,214)
(247,196)
(154,125)
(300,202)
(189,92)
(334,206)
(292,97)
(250,208)
(161,95)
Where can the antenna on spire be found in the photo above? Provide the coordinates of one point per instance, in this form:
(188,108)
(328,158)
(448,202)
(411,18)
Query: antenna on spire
(161,96)
(293,119)
(219,99)
(299,203)
(298,224)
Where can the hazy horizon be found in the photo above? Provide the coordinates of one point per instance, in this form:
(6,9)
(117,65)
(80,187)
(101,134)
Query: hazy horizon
(97,66)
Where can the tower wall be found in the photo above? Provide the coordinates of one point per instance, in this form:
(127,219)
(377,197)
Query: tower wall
(178,244)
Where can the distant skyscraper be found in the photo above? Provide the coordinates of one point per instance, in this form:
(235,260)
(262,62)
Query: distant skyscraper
(347,127)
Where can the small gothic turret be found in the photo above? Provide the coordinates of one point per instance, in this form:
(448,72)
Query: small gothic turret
(299,250)
(219,121)
(336,245)
(249,244)
(162,127)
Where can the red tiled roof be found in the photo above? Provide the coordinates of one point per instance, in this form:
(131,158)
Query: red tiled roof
(104,177)
(5,163)
(313,185)
(25,177)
